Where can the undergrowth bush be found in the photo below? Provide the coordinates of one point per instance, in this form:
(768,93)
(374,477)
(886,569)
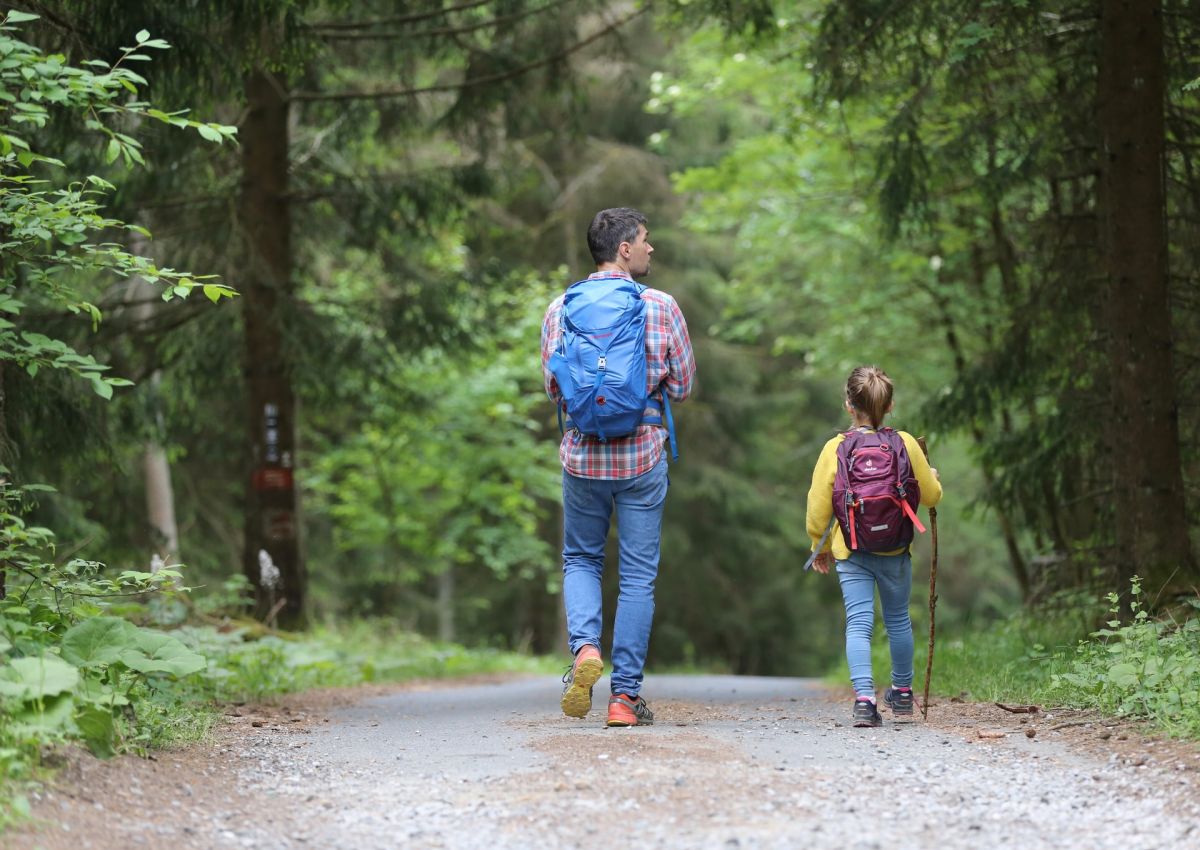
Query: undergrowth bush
(126,660)
(1146,668)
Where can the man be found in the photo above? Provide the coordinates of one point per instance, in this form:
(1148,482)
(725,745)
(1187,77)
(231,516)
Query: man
(628,473)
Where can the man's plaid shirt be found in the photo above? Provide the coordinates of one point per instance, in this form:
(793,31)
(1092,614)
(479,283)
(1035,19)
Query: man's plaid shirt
(669,362)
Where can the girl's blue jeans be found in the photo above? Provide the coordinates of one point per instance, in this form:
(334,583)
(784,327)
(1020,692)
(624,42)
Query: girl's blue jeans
(588,505)
(860,575)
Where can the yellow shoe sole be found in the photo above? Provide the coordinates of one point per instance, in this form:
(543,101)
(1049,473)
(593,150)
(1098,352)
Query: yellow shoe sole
(577,699)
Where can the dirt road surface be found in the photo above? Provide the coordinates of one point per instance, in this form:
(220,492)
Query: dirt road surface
(731,762)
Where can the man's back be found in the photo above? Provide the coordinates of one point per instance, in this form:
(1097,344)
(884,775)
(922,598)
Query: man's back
(670,365)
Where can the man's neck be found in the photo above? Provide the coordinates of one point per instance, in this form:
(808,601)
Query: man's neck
(613,268)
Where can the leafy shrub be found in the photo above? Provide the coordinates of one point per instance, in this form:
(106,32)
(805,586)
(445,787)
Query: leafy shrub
(1145,668)
(68,669)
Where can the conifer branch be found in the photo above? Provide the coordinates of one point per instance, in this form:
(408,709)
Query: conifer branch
(415,17)
(435,32)
(488,79)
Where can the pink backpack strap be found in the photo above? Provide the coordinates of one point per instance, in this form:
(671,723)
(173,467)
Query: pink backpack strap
(907,508)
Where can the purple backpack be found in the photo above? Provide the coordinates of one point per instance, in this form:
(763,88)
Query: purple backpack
(875,495)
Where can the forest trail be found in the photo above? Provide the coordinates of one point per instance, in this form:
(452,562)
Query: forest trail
(732,762)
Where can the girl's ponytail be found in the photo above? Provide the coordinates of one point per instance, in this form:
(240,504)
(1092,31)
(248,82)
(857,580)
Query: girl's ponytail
(869,391)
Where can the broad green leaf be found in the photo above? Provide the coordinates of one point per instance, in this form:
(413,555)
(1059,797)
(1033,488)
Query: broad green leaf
(32,678)
(214,292)
(1123,675)
(112,151)
(91,690)
(45,716)
(96,726)
(160,653)
(15,17)
(142,35)
(100,640)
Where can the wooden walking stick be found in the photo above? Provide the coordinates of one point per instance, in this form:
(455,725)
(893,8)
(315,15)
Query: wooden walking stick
(932,594)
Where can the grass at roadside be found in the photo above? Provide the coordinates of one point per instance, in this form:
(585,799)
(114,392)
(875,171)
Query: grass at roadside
(242,667)
(1140,667)
(246,669)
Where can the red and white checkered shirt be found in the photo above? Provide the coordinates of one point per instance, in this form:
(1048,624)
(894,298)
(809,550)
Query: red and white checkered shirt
(670,362)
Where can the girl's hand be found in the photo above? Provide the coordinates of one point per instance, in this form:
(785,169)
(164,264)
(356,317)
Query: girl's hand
(936,477)
(822,562)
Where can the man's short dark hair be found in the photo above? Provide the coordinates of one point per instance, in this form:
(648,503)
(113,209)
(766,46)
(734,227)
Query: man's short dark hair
(609,229)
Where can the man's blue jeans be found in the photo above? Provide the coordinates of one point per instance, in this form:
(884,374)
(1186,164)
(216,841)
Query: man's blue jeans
(860,574)
(587,511)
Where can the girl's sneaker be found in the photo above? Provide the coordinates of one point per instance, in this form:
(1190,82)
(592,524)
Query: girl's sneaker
(899,700)
(866,714)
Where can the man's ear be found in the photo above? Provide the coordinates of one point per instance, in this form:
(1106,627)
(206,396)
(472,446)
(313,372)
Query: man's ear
(625,249)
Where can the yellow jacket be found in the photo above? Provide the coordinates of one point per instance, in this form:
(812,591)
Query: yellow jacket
(820,495)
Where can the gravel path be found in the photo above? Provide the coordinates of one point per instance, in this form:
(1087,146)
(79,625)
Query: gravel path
(732,762)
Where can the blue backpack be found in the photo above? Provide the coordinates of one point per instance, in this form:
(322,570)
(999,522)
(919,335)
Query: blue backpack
(600,362)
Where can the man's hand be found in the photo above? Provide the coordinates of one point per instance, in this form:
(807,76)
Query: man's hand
(822,562)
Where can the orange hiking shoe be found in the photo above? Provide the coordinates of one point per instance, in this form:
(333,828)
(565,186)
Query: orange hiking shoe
(578,681)
(629,711)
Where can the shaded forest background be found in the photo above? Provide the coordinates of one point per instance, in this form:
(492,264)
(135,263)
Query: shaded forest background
(996,202)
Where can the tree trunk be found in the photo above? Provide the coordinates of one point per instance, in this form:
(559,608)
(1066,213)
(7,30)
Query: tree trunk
(272,511)
(445,604)
(160,503)
(156,468)
(1151,528)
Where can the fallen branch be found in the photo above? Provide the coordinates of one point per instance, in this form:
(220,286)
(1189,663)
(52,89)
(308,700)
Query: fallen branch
(1019,709)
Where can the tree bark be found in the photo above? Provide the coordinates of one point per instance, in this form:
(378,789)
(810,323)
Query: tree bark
(272,510)
(445,605)
(1143,432)
(160,502)
(156,467)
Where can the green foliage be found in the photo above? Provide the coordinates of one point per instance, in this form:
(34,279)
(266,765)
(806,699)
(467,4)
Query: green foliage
(48,229)
(1143,668)
(68,670)
(352,652)
(452,473)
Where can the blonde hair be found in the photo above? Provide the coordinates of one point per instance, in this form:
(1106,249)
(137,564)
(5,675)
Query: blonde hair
(869,391)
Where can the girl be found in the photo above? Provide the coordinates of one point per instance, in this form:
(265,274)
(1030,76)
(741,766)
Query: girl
(868,401)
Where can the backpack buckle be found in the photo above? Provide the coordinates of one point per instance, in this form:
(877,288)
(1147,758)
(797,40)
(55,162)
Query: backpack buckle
(603,363)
